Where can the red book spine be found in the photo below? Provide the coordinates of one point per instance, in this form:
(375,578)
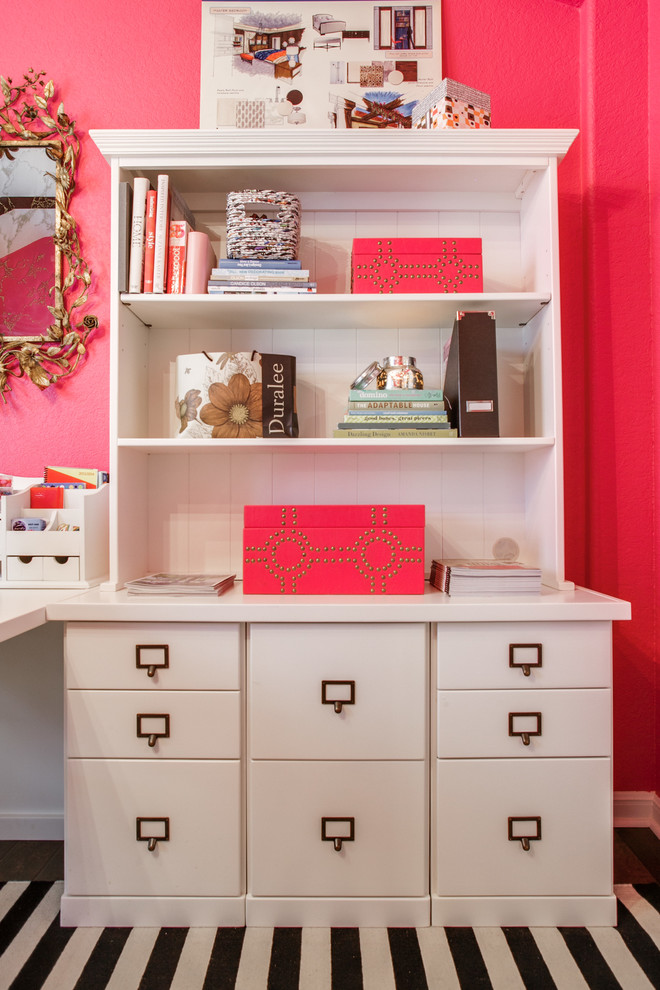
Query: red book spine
(176,258)
(150,240)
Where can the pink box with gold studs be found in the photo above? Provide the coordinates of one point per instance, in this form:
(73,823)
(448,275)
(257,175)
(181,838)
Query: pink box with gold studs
(333,550)
(416,264)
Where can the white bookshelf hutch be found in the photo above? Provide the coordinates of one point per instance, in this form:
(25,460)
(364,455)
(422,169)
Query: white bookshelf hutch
(470,781)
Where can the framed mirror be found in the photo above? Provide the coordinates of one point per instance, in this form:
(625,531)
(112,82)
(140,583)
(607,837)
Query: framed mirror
(44,281)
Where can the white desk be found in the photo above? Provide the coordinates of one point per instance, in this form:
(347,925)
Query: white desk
(31,724)
(23,610)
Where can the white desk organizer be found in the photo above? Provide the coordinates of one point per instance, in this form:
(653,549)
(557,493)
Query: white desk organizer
(54,558)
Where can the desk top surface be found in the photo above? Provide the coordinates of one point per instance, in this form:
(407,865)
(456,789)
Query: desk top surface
(21,610)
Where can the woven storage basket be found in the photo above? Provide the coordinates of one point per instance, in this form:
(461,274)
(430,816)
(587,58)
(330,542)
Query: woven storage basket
(266,233)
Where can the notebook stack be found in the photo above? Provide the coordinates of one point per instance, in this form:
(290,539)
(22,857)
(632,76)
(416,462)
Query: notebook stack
(395,412)
(252,276)
(485,577)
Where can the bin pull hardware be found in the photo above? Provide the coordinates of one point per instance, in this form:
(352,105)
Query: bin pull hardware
(146,730)
(525,734)
(516,835)
(336,696)
(519,656)
(146,662)
(338,831)
(152,831)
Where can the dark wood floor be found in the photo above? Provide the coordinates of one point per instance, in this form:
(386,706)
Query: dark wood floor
(636,858)
(31,859)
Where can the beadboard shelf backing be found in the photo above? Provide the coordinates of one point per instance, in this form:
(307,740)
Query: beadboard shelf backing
(339,311)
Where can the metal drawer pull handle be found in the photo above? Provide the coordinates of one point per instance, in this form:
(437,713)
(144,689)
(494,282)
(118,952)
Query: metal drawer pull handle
(147,730)
(338,831)
(527,733)
(152,831)
(516,833)
(338,694)
(151,653)
(524,656)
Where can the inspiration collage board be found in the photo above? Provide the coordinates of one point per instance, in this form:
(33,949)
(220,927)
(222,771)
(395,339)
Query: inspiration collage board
(347,65)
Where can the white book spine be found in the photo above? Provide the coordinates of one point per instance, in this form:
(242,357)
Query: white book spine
(162,233)
(140,188)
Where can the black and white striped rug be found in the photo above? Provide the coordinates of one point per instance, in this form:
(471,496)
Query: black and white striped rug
(37,954)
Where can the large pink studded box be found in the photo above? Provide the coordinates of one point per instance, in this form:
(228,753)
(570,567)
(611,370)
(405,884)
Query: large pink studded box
(333,550)
(416,264)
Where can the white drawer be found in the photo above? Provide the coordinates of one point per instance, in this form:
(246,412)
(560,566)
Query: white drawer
(58,569)
(201,801)
(576,722)
(162,725)
(338,692)
(25,568)
(184,655)
(497,654)
(474,801)
(387,803)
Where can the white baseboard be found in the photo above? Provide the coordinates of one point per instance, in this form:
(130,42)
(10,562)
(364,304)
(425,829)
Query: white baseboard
(31,826)
(637,809)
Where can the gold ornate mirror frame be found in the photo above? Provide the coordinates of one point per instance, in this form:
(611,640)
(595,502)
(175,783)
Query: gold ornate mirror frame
(27,120)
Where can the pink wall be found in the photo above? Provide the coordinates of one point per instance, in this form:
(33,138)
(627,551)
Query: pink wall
(654,227)
(620,355)
(546,63)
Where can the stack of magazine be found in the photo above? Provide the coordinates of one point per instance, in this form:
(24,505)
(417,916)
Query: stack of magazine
(485,577)
(180,584)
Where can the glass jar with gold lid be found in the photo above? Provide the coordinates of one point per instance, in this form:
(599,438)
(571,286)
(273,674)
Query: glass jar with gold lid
(400,371)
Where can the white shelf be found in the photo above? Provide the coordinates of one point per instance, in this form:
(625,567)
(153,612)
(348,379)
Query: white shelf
(307,444)
(321,311)
(334,161)
(99,605)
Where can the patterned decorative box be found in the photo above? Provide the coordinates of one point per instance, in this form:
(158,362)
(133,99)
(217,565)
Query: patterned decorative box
(452,105)
(333,550)
(263,223)
(416,264)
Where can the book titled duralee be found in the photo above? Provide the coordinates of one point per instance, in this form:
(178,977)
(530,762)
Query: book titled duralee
(235,395)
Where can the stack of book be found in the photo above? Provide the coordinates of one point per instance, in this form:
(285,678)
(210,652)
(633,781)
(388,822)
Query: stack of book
(253,276)
(395,412)
(180,584)
(485,577)
(158,225)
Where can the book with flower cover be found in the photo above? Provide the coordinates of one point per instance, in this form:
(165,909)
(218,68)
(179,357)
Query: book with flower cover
(239,395)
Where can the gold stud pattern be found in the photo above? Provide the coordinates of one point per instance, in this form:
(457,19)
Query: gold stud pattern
(290,572)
